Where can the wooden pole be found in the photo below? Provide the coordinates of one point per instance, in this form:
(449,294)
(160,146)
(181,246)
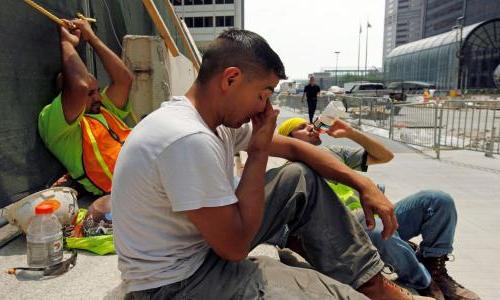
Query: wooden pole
(160,25)
(47,13)
(192,56)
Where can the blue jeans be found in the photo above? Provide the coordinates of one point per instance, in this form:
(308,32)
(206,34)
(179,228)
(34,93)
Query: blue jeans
(431,214)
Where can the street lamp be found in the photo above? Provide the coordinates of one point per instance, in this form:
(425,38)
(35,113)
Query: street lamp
(336,68)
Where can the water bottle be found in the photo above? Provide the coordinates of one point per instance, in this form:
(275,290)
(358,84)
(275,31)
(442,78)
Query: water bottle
(331,112)
(44,238)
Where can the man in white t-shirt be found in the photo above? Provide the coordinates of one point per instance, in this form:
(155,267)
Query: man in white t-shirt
(182,230)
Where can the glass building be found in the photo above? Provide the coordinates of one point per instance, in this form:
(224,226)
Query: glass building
(441,15)
(461,58)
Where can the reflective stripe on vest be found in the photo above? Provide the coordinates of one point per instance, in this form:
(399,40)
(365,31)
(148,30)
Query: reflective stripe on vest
(101,146)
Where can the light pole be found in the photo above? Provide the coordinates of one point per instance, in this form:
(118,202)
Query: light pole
(336,68)
(368,25)
(459,39)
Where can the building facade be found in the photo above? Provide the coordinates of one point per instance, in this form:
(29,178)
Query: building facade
(442,15)
(390,26)
(206,19)
(337,77)
(437,49)
(411,20)
(463,59)
(403,23)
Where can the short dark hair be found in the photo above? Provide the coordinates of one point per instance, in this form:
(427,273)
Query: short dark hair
(243,49)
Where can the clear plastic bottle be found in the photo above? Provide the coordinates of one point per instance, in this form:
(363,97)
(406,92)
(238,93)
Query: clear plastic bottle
(328,116)
(44,238)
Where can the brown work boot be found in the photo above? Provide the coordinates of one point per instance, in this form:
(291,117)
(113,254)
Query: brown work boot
(433,291)
(451,289)
(380,288)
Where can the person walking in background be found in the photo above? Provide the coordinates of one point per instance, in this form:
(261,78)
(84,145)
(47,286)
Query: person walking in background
(311,92)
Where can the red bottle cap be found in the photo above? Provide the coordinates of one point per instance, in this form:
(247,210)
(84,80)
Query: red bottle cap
(43,209)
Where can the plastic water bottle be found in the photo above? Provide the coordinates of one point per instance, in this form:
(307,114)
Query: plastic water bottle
(331,112)
(44,238)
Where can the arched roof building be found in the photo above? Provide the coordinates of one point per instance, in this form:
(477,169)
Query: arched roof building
(461,58)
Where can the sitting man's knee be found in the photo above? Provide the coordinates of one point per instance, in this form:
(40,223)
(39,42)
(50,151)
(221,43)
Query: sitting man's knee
(442,199)
(297,169)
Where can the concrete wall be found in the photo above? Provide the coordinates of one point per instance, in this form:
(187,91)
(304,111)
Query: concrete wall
(158,75)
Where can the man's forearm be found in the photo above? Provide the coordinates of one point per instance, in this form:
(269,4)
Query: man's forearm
(327,166)
(250,193)
(319,160)
(378,152)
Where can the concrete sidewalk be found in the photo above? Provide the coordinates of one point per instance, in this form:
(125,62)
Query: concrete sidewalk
(477,195)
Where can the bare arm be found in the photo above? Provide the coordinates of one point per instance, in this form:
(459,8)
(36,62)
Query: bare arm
(229,230)
(372,200)
(377,153)
(121,77)
(75,86)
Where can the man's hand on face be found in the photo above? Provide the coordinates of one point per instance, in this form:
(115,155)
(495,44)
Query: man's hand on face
(375,202)
(85,28)
(264,125)
(340,129)
(73,36)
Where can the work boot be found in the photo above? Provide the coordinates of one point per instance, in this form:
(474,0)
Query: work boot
(451,289)
(433,291)
(380,288)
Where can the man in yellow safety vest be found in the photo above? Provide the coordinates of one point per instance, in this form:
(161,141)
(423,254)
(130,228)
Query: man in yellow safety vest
(83,127)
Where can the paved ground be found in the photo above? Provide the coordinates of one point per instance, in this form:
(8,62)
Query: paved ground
(472,179)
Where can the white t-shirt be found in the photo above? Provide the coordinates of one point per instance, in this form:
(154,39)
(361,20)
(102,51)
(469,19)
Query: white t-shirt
(171,162)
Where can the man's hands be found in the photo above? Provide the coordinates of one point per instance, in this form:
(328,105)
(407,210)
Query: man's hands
(263,130)
(81,30)
(340,129)
(72,37)
(85,28)
(375,202)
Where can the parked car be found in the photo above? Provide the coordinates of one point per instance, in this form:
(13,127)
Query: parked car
(399,89)
(368,89)
(371,89)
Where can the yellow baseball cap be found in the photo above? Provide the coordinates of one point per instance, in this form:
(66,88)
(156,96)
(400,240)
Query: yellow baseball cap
(290,125)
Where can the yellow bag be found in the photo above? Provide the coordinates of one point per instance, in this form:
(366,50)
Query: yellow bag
(101,245)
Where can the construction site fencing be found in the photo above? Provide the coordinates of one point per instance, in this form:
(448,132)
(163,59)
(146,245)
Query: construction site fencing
(445,125)
(370,111)
(472,125)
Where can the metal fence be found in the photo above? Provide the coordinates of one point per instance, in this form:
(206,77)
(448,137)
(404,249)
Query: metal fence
(472,125)
(416,124)
(456,124)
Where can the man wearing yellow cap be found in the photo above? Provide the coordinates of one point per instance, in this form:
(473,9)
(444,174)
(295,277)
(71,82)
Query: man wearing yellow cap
(431,214)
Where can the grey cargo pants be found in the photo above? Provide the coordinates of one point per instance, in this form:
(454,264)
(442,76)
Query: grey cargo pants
(333,241)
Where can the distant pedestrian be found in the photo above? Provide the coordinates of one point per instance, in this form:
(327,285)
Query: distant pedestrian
(311,91)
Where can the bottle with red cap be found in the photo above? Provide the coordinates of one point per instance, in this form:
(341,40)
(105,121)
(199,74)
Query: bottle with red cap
(44,237)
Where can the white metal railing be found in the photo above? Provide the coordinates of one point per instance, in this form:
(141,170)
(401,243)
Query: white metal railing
(451,124)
